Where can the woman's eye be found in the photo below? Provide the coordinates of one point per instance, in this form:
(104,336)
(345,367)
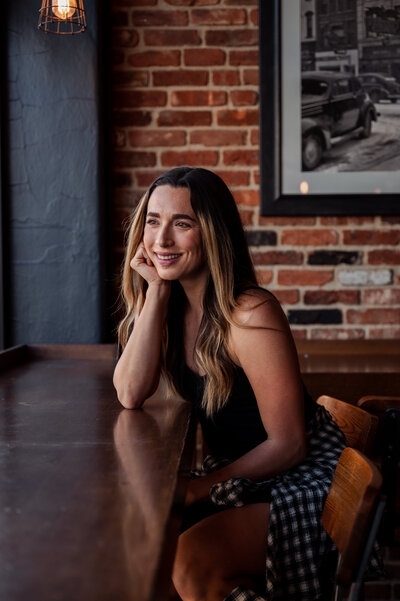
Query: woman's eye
(151,221)
(183,224)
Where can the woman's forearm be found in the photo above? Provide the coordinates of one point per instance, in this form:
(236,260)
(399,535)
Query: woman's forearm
(264,461)
(137,373)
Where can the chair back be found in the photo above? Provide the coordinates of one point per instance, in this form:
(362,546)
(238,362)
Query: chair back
(358,426)
(349,509)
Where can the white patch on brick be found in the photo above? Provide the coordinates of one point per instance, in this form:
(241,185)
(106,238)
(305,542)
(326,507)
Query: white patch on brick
(362,277)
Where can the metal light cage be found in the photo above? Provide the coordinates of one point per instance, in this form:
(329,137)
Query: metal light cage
(51,23)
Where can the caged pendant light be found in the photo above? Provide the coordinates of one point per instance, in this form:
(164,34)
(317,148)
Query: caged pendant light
(62,16)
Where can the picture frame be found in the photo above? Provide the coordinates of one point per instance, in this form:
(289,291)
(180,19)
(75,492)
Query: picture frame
(281,174)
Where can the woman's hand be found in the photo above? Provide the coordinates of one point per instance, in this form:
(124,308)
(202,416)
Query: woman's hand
(142,264)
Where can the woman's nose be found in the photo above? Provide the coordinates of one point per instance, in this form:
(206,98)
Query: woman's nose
(164,237)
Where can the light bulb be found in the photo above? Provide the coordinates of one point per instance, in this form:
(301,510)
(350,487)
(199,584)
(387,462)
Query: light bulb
(64,9)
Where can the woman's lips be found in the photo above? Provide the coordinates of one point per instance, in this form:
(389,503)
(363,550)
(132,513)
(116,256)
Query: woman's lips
(167,259)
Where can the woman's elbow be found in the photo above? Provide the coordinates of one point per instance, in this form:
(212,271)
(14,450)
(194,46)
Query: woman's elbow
(129,400)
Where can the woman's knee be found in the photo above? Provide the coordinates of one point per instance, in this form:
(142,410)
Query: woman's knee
(191,574)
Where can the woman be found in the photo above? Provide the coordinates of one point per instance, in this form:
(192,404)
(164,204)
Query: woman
(195,314)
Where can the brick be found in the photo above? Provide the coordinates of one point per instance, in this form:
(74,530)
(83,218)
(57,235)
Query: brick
(217,17)
(264,276)
(127,198)
(389,333)
(239,117)
(287,297)
(134,159)
(298,334)
(314,237)
(247,197)
(184,118)
(204,57)
(172,37)
(277,257)
(189,157)
(388,296)
(139,98)
(244,57)
(145,178)
(250,77)
(261,238)
(126,38)
(235,178)
(218,137)
(391,220)
(198,98)
(255,138)
(240,2)
(329,297)
(180,78)
(232,37)
(241,157)
(374,237)
(190,2)
(304,277)
(243,97)
(311,316)
(334,257)
(149,137)
(165,58)
(247,216)
(137,79)
(254,17)
(337,334)
(155,18)
(346,220)
(374,316)
(134,3)
(384,257)
(360,277)
(128,118)
(226,77)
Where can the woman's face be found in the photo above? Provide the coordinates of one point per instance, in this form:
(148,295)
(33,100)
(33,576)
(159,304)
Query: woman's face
(172,236)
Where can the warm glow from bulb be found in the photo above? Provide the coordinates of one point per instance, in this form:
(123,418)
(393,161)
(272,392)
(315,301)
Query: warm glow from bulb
(304,187)
(64,9)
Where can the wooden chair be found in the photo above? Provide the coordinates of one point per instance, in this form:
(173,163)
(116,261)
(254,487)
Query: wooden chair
(358,426)
(347,516)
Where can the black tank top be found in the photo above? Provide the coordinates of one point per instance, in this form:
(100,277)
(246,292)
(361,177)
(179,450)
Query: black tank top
(237,427)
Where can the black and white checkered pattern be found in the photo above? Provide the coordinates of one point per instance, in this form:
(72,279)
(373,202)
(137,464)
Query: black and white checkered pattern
(296,540)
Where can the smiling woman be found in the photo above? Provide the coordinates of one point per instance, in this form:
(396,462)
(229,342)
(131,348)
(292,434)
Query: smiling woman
(195,314)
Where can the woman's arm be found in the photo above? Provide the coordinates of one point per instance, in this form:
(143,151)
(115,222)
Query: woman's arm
(137,372)
(267,354)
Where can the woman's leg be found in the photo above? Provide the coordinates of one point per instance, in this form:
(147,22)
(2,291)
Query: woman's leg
(221,552)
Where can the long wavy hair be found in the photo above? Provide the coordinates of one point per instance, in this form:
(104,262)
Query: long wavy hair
(230,273)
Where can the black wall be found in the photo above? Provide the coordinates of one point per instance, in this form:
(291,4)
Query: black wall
(54,245)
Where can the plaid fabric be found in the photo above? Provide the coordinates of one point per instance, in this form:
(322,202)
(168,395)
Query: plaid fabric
(296,541)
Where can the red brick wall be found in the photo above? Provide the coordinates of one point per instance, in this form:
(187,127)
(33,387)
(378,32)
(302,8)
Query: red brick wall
(185,91)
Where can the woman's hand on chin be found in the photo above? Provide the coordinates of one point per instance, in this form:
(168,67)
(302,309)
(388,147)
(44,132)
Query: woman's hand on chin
(142,264)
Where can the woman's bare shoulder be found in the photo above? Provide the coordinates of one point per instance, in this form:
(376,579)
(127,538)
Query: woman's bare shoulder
(257,307)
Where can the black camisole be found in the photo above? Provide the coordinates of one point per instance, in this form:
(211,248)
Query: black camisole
(237,427)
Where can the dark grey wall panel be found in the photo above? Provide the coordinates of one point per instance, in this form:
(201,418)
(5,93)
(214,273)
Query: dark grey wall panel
(55,186)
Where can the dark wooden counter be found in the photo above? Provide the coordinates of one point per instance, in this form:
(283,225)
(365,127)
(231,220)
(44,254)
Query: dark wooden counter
(90,492)
(350,369)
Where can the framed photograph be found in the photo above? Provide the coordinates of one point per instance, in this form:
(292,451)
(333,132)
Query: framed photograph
(330,107)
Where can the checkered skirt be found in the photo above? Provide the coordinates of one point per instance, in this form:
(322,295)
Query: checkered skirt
(296,541)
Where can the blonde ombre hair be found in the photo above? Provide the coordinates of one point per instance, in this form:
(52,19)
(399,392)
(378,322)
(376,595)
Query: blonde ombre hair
(230,273)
